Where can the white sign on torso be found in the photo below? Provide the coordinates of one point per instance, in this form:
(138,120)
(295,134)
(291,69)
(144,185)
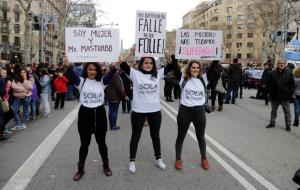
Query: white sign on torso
(92,44)
(150,34)
(198,44)
(193,93)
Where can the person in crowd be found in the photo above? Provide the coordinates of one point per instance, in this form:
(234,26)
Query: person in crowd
(115,93)
(127,83)
(169,84)
(70,94)
(6,97)
(60,86)
(192,110)
(92,115)
(36,75)
(214,74)
(281,85)
(296,73)
(264,80)
(145,103)
(234,73)
(241,87)
(53,74)
(2,122)
(45,82)
(22,90)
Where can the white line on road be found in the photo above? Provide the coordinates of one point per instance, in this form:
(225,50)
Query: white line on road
(235,159)
(26,172)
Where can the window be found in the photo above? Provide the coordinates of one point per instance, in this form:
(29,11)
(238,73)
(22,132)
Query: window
(250,44)
(17,7)
(229,18)
(250,35)
(250,8)
(249,55)
(228,45)
(228,36)
(4,27)
(17,17)
(240,1)
(264,34)
(229,10)
(17,28)
(229,1)
(4,14)
(17,41)
(229,27)
(239,56)
(4,38)
(228,56)
(240,17)
(251,26)
(240,8)
(250,16)
(240,35)
(239,44)
(240,26)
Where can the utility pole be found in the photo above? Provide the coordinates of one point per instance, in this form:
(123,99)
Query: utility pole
(286,9)
(42,39)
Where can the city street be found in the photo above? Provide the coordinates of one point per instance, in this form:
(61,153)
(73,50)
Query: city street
(242,153)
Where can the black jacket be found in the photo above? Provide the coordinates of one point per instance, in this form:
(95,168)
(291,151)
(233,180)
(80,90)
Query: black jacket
(281,85)
(235,75)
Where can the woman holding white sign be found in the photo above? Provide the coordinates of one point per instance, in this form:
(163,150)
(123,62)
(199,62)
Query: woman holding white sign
(91,116)
(192,110)
(146,103)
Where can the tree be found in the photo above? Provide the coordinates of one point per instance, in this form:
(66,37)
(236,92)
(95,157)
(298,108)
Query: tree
(26,5)
(271,19)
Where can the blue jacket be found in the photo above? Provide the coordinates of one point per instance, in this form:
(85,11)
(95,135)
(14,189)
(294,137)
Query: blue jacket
(45,84)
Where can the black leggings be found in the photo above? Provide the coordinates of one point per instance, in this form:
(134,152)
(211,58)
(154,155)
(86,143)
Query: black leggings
(185,116)
(137,122)
(214,96)
(92,120)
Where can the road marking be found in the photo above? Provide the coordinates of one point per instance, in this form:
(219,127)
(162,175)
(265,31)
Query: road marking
(29,168)
(235,159)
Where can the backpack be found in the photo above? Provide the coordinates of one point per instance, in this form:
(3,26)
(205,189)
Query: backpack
(207,107)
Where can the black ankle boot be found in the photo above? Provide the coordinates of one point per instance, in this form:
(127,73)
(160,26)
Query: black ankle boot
(296,123)
(80,172)
(106,168)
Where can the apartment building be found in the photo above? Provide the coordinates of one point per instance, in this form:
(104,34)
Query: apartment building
(13,28)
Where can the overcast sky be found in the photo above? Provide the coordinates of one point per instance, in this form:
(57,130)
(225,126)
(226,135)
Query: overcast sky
(123,12)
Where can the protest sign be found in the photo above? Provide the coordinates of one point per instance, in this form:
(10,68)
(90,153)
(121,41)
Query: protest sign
(150,34)
(92,44)
(198,44)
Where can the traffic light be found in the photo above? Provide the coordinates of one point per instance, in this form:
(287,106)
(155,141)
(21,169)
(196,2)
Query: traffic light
(36,23)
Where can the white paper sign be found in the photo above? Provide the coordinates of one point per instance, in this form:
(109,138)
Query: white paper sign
(92,44)
(150,34)
(198,44)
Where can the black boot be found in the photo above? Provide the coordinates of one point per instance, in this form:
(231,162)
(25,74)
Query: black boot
(288,128)
(296,123)
(80,172)
(106,168)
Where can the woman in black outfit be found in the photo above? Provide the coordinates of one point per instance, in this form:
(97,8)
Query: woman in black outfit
(91,116)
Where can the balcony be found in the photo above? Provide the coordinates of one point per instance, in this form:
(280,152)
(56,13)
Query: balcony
(4,7)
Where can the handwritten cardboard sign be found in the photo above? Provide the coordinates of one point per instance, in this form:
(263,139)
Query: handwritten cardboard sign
(92,44)
(150,34)
(198,44)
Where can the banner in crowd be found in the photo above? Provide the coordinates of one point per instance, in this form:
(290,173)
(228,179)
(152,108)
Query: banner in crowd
(198,44)
(292,50)
(150,34)
(92,44)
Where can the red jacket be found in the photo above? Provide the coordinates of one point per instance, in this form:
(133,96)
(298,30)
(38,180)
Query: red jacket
(60,84)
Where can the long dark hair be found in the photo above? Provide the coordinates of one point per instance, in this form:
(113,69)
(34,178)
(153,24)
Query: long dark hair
(98,70)
(19,78)
(153,72)
(187,72)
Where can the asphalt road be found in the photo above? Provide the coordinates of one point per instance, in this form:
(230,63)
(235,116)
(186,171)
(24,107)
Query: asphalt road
(242,153)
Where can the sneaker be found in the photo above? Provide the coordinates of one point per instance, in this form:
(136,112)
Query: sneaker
(48,115)
(131,167)
(204,164)
(159,163)
(24,126)
(7,132)
(16,128)
(270,126)
(178,164)
(115,128)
